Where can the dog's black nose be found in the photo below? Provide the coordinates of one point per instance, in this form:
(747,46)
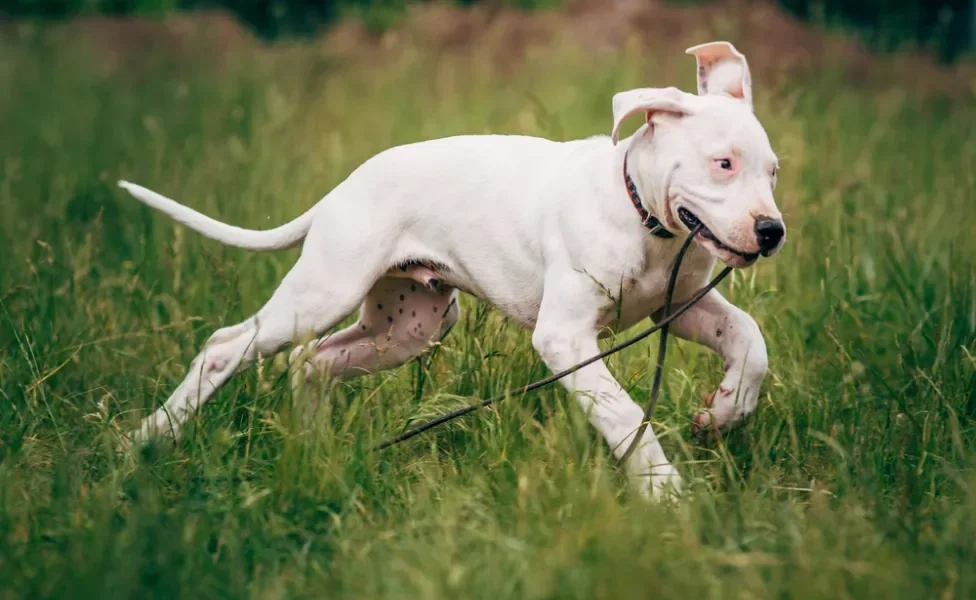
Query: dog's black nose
(769,232)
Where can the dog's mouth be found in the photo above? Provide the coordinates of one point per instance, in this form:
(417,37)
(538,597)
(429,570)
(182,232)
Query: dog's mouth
(690,220)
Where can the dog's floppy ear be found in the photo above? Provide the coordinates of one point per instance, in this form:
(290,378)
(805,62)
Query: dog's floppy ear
(648,101)
(722,70)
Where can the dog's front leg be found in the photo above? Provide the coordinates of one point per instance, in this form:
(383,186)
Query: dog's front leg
(566,335)
(735,336)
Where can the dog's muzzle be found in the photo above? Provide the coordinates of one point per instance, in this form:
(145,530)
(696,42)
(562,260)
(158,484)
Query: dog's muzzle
(691,221)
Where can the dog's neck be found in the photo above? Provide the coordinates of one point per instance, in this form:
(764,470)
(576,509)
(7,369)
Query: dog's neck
(652,223)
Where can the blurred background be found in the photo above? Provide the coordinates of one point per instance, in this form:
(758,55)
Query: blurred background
(946,27)
(856,477)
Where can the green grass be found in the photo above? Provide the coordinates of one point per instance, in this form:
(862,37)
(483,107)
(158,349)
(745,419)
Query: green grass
(855,478)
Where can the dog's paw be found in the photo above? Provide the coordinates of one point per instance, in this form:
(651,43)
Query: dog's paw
(133,443)
(702,428)
(662,484)
(157,427)
(666,484)
(715,422)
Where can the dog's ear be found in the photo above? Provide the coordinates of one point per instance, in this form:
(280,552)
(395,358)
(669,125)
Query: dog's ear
(649,101)
(722,70)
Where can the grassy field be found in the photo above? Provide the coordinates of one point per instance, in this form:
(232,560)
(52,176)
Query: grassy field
(854,479)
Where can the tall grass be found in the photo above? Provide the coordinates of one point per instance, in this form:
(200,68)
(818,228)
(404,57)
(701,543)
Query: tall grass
(854,479)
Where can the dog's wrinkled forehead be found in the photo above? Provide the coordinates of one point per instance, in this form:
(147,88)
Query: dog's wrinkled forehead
(724,122)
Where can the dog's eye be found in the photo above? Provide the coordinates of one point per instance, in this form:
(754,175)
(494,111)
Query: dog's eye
(725,164)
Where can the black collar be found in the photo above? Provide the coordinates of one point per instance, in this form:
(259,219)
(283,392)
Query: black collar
(650,221)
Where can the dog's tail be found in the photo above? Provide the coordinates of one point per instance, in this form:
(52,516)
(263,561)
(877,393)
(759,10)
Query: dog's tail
(279,238)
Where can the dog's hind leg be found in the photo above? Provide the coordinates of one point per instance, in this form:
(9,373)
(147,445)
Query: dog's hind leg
(306,303)
(398,320)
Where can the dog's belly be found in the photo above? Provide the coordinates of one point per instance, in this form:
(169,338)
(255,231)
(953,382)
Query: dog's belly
(508,282)
(519,301)
(519,304)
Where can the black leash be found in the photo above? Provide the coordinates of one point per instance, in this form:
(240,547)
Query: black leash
(662,348)
(658,374)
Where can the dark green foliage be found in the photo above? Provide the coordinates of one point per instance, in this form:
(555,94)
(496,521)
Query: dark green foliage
(945,26)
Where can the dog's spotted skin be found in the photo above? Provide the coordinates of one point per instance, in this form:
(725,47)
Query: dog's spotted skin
(402,315)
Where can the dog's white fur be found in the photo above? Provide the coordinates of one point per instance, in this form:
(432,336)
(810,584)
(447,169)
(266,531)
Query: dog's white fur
(544,231)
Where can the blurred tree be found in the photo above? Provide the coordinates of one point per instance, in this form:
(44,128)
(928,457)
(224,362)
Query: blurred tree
(944,26)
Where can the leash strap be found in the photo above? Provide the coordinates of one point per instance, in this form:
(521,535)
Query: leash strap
(662,348)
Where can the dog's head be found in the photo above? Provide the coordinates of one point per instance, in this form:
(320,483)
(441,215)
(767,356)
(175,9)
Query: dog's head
(706,158)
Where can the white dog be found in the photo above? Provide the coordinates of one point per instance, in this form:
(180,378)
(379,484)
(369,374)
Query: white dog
(570,239)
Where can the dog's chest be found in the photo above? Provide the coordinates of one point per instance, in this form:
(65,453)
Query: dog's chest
(643,292)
